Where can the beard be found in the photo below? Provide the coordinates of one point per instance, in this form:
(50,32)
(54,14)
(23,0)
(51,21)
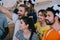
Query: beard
(20,16)
(49,23)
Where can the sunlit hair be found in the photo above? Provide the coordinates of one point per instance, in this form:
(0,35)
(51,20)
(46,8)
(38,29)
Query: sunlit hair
(43,12)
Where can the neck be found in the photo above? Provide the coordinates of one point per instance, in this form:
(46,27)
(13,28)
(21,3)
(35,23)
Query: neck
(26,31)
(56,26)
(43,23)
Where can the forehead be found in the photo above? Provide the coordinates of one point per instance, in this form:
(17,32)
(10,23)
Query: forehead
(40,13)
(21,8)
(50,13)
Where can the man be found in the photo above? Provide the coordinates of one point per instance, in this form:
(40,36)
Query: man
(21,12)
(53,19)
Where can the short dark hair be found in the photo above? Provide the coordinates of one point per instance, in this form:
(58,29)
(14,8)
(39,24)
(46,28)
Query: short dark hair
(53,11)
(43,12)
(29,21)
(26,8)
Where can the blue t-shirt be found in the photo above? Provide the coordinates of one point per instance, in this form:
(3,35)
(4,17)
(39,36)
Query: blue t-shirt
(3,20)
(3,24)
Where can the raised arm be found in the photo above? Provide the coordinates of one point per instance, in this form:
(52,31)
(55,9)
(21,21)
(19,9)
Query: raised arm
(6,12)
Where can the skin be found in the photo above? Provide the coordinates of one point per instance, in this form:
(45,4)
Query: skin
(50,18)
(41,18)
(28,4)
(52,21)
(21,12)
(24,28)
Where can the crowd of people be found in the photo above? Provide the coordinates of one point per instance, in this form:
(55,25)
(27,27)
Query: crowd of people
(30,25)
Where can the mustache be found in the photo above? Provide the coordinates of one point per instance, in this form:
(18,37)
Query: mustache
(19,14)
(46,20)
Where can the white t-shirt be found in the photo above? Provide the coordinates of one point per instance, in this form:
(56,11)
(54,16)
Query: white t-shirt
(16,21)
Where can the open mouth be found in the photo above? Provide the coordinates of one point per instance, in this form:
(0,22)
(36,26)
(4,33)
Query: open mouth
(19,16)
(47,21)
